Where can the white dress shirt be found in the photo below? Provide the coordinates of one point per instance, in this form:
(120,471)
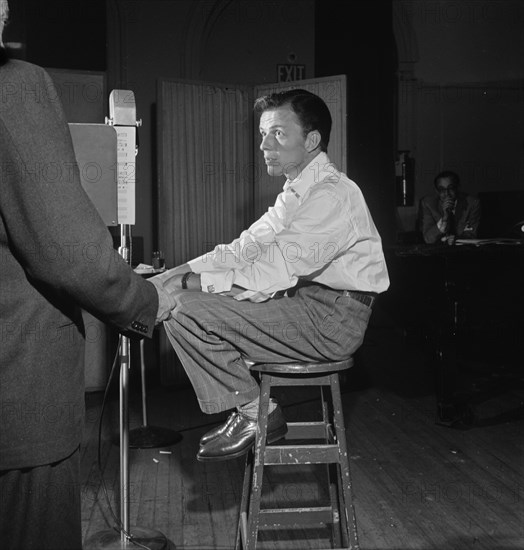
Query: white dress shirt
(319,230)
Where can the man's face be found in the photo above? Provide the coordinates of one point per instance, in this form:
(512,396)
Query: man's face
(283,142)
(446,189)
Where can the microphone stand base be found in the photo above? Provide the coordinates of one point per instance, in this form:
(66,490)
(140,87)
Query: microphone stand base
(152,437)
(111,539)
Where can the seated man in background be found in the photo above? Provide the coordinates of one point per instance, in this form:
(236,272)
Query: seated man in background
(449,214)
(298,285)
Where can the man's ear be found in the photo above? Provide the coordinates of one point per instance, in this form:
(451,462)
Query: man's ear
(312,140)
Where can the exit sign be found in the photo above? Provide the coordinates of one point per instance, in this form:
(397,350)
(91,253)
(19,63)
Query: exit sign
(289,72)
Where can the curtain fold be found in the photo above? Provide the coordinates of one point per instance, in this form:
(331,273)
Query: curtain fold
(206,181)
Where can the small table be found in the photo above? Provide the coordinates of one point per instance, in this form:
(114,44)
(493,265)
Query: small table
(469,300)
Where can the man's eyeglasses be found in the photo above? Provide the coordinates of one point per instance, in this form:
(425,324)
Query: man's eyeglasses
(447,189)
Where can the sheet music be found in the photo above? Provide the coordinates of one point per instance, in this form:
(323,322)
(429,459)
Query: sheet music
(494,240)
(126,156)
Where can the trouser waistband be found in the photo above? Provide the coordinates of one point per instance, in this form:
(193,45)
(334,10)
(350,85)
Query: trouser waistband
(366,298)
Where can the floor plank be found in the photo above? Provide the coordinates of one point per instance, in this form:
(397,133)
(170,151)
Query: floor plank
(418,485)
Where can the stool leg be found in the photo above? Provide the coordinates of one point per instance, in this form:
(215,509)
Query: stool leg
(258,469)
(349,519)
(244,510)
(326,416)
(331,469)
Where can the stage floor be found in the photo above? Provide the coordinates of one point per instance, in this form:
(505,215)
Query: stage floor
(418,485)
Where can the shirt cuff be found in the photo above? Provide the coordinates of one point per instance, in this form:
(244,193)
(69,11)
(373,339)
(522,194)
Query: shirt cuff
(216,282)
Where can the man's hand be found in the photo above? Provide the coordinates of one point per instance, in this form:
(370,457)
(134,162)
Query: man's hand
(170,279)
(449,239)
(447,206)
(166,302)
(251,295)
(169,284)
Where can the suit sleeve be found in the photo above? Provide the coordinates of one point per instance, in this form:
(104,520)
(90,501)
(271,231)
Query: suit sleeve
(429,218)
(53,228)
(474,217)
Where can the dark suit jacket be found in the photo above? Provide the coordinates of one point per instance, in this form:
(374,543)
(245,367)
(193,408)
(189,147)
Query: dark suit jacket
(467,215)
(56,255)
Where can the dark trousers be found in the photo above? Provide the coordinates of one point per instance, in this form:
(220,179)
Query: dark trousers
(40,507)
(213,334)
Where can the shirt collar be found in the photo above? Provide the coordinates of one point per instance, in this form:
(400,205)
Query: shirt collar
(308,177)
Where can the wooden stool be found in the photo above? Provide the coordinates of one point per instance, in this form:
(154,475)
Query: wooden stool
(332,451)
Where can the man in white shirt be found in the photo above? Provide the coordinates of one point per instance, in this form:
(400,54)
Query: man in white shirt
(298,285)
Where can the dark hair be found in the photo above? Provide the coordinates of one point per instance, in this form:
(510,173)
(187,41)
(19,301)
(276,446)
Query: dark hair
(455,180)
(310,109)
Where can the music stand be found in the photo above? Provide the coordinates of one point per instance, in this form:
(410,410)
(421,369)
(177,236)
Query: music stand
(122,113)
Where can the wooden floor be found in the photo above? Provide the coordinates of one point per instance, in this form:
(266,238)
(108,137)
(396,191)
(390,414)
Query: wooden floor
(418,485)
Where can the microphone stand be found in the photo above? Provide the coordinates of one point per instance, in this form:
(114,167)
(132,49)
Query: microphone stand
(124,537)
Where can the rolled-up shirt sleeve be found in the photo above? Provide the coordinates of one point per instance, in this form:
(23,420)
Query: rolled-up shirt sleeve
(318,230)
(269,256)
(218,268)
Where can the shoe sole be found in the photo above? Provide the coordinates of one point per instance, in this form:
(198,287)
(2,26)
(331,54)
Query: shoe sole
(271,438)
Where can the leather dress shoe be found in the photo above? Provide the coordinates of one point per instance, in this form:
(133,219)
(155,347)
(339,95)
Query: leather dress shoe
(239,437)
(215,432)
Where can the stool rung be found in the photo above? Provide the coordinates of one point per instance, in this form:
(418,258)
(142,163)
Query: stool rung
(296,516)
(300,381)
(306,430)
(301,454)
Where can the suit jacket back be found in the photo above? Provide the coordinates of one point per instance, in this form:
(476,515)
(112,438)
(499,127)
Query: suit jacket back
(56,255)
